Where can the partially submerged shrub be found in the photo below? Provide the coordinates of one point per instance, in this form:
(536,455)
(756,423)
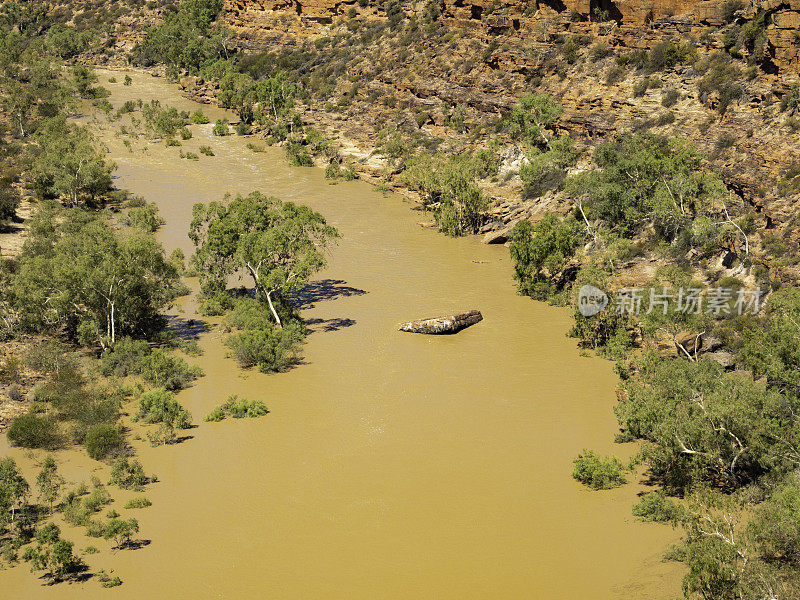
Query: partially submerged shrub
(160,406)
(656,506)
(128,474)
(103,440)
(598,472)
(138,502)
(237,408)
(168,370)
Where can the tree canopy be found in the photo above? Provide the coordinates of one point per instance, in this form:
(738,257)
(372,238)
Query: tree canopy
(80,275)
(278,244)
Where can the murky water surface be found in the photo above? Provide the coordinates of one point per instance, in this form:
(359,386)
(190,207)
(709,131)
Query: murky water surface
(391,465)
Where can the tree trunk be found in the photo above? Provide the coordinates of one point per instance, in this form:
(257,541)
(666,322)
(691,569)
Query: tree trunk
(274,312)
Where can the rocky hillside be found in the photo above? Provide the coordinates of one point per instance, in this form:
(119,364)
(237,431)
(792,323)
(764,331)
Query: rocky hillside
(732,96)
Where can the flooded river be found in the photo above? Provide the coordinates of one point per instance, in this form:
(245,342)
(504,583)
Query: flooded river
(391,465)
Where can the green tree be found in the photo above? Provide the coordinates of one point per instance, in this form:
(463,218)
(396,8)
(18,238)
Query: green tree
(98,285)
(532,117)
(644,179)
(49,482)
(540,253)
(121,531)
(772,346)
(703,425)
(279,244)
(52,554)
(68,163)
(187,39)
(14,491)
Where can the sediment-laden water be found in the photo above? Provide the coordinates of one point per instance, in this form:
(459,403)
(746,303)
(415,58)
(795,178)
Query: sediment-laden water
(391,465)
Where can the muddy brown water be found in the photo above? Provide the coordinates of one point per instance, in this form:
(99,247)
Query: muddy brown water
(391,465)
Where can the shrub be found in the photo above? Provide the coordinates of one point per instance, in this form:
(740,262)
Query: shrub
(138,502)
(237,408)
(198,118)
(103,440)
(656,506)
(186,133)
(600,50)
(124,358)
(145,218)
(669,97)
(615,74)
(216,304)
(640,87)
(667,54)
(34,431)
(160,406)
(78,510)
(167,370)
(539,253)
(722,76)
(221,127)
(128,474)
(332,170)
(598,472)
(270,347)
(297,155)
(206,150)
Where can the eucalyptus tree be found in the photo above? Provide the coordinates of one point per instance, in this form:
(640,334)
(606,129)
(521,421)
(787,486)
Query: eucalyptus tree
(68,162)
(280,245)
(49,482)
(14,491)
(94,283)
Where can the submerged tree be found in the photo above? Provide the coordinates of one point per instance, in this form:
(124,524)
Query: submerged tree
(278,244)
(49,482)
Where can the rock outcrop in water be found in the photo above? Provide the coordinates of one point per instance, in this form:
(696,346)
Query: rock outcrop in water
(447,324)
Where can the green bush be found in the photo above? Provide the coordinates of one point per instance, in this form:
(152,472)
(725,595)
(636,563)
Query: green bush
(206,150)
(298,156)
(220,127)
(103,440)
(128,474)
(160,406)
(237,408)
(540,252)
(270,348)
(34,431)
(198,118)
(145,218)
(124,358)
(656,506)
(167,370)
(669,97)
(598,472)
(79,509)
(138,502)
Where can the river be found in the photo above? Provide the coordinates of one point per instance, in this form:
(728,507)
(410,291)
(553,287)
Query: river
(391,465)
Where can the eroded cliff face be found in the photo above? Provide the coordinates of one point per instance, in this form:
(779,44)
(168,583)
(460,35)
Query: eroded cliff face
(631,23)
(497,52)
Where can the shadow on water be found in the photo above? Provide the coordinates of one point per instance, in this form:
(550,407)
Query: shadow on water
(333,324)
(324,289)
(186,329)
